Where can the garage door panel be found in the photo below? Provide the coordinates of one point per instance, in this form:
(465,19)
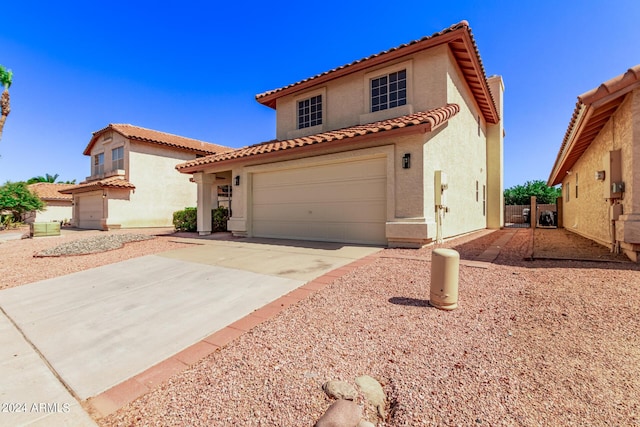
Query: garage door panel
(347,212)
(90,211)
(366,233)
(343,202)
(323,174)
(320,192)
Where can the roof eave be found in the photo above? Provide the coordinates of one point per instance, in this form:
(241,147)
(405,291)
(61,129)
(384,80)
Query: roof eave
(462,33)
(344,144)
(270,99)
(581,115)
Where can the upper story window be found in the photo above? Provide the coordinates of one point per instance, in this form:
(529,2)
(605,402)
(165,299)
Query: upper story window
(117,158)
(389,91)
(98,164)
(310,112)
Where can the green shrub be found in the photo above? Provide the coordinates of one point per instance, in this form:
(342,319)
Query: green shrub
(219,218)
(186,220)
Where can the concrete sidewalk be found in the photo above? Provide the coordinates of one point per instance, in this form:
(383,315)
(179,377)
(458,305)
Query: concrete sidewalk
(30,394)
(97,328)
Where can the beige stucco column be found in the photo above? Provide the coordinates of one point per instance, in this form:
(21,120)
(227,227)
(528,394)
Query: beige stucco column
(205,182)
(495,159)
(75,214)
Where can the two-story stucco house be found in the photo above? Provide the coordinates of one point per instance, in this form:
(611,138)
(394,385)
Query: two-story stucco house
(401,148)
(598,164)
(133,180)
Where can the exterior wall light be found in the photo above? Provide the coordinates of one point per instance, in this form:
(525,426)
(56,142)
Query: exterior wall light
(237,180)
(600,175)
(406,161)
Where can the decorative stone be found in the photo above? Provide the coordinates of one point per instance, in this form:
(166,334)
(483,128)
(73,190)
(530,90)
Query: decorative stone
(340,390)
(343,413)
(373,392)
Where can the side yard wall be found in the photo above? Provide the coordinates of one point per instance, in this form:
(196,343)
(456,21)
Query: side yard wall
(585,209)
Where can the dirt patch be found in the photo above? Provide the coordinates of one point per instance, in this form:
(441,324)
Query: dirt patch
(559,243)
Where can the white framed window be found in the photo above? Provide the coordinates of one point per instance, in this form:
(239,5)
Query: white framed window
(98,164)
(310,112)
(389,91)
(117,158)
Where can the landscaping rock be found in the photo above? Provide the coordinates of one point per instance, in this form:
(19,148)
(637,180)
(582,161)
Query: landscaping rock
(93,244)
(373,392)
(343,413)
(340,390)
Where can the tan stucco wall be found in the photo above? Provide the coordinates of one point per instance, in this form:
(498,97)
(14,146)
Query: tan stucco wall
(459,150)
(588,214)
(160,188)
(55,211)
(346,98)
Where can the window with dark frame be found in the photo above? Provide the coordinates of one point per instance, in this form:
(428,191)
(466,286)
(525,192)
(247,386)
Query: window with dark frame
(576,185)
(477,191)
(310,112)
(567,191)
(389,91)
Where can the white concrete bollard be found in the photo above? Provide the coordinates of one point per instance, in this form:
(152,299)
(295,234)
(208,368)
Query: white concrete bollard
(445,265)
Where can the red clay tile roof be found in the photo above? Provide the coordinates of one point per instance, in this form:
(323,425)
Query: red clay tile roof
(432,119)
(461,42)
(51,191)
(593,110)
(137,133)
(111,182)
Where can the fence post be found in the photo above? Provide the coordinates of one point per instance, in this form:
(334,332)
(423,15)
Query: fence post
(533,216)
(559,209)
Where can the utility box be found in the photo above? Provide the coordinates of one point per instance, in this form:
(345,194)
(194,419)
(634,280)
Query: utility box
(615,211)
(612,164)
(441,185)
(41,229)
(445,264)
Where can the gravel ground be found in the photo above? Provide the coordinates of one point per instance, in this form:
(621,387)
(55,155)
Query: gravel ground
(20,266)
(532,343)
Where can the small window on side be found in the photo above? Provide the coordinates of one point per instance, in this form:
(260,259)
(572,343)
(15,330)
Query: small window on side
(310,112)
(389,91)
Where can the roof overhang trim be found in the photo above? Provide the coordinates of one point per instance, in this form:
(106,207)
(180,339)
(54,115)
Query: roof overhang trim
(462,45)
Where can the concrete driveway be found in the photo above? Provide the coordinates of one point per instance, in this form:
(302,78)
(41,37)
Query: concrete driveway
(97,328)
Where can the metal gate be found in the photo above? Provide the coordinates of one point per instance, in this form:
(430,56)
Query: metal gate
(547,215)
(517,216)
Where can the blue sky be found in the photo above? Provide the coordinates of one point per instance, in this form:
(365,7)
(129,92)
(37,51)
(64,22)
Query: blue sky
(194,68)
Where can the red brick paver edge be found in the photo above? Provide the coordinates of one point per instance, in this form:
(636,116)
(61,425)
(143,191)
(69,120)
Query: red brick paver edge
(110,401)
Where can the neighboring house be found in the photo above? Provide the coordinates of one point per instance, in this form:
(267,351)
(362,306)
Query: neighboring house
(133,180)
(58,206)
(400,148)
(598,164)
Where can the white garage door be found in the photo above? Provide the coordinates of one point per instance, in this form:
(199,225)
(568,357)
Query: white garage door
(90,212)
(341,202)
